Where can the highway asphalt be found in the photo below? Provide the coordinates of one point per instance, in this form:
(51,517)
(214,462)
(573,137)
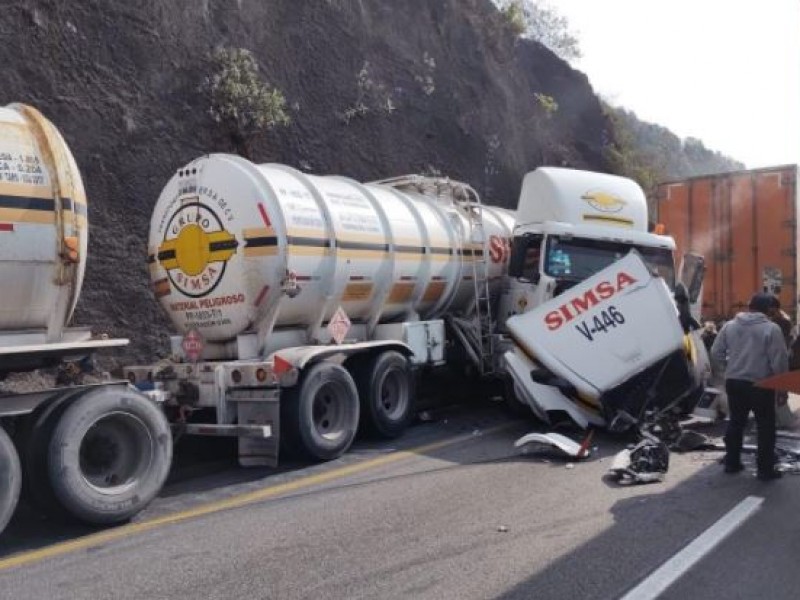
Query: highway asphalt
(451,510)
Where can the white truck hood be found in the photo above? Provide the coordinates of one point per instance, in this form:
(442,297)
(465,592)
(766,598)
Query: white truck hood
(604,330)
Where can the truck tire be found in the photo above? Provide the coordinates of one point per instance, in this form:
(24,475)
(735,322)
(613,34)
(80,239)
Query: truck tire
(10,478)
(386,391)
(319,416)
(34,447)
(109,455)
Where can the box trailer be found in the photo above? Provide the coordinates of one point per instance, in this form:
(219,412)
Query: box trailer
(745,225)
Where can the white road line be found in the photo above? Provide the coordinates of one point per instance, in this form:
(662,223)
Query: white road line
(684,560)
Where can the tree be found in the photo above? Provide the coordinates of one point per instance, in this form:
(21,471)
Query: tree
(538,21)
(240,101)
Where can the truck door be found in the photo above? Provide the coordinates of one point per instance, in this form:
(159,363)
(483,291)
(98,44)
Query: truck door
(691,273)
(525,275)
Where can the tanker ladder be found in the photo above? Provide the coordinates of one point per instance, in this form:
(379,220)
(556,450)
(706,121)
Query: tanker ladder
(476,334)
(483,324)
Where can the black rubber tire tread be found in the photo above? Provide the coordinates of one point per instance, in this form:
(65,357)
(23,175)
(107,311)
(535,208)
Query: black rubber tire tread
(298,437)
(368,374)
(34,445)
(10,478)
(81,500)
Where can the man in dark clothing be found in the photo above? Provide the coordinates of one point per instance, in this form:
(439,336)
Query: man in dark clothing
(782,320)
(752,348)
(783,415)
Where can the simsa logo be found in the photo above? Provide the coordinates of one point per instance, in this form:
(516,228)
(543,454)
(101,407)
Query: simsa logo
(196,249)
(578,305)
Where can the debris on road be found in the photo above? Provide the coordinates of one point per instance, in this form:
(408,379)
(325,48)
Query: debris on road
(646,462)
(554,441)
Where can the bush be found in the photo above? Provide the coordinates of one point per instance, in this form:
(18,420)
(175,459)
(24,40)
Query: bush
(534,19)
(515,17)
(547,103)
(240,101)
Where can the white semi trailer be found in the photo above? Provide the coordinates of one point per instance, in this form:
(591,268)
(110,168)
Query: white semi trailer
(98,452)
(307,307)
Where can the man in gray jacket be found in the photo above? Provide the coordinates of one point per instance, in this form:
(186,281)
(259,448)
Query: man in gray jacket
(751,347)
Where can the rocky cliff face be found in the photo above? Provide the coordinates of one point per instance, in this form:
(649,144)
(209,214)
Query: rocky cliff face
(375,89)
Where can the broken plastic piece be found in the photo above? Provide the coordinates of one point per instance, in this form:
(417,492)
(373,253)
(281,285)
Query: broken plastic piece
(647,462)
(560,442)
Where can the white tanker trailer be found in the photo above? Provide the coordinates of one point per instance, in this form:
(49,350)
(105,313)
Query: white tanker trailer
(97,452)
(308,306)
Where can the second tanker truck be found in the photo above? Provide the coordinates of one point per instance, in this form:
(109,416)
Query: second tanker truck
(307,307)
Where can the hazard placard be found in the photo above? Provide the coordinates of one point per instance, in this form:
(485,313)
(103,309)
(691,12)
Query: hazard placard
(339,325)
(192,345)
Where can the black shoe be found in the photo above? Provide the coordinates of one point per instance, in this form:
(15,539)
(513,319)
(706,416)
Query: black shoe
(770,475)
(733,469)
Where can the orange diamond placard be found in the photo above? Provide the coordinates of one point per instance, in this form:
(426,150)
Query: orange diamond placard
(339,325)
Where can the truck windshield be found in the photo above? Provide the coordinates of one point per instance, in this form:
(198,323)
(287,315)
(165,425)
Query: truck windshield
(575,259)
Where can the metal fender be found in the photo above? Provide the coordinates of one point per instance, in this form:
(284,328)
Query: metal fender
(301,356)
(560,442)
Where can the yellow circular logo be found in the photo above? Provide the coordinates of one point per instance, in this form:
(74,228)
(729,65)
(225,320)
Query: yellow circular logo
(195,249)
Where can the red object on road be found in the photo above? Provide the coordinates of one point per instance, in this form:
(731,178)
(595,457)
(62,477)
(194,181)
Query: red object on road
(192,345)
(785,382)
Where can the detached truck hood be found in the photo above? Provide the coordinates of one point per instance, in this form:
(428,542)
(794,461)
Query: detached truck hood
(607,337)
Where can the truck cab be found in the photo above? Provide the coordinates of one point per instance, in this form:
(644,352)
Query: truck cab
(571,225)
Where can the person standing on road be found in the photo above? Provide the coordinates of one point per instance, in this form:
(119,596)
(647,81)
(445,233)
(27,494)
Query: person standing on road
(783,415)
(751,347)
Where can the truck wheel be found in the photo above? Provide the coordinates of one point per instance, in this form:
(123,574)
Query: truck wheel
(34,447)
(10,478)
(320,414)
(386,392)
(109,455)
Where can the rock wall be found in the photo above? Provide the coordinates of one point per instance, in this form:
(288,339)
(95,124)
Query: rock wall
(374,89)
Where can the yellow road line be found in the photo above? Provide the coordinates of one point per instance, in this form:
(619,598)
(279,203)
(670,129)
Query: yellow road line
(103,537)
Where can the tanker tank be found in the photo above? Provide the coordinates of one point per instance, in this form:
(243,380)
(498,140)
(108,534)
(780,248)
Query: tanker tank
(43,226)
(236,247)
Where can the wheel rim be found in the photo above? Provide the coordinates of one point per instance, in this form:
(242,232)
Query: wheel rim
(330,411)
(392,400)
(115,453)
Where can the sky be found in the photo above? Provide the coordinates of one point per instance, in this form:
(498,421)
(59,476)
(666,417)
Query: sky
(726,72)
